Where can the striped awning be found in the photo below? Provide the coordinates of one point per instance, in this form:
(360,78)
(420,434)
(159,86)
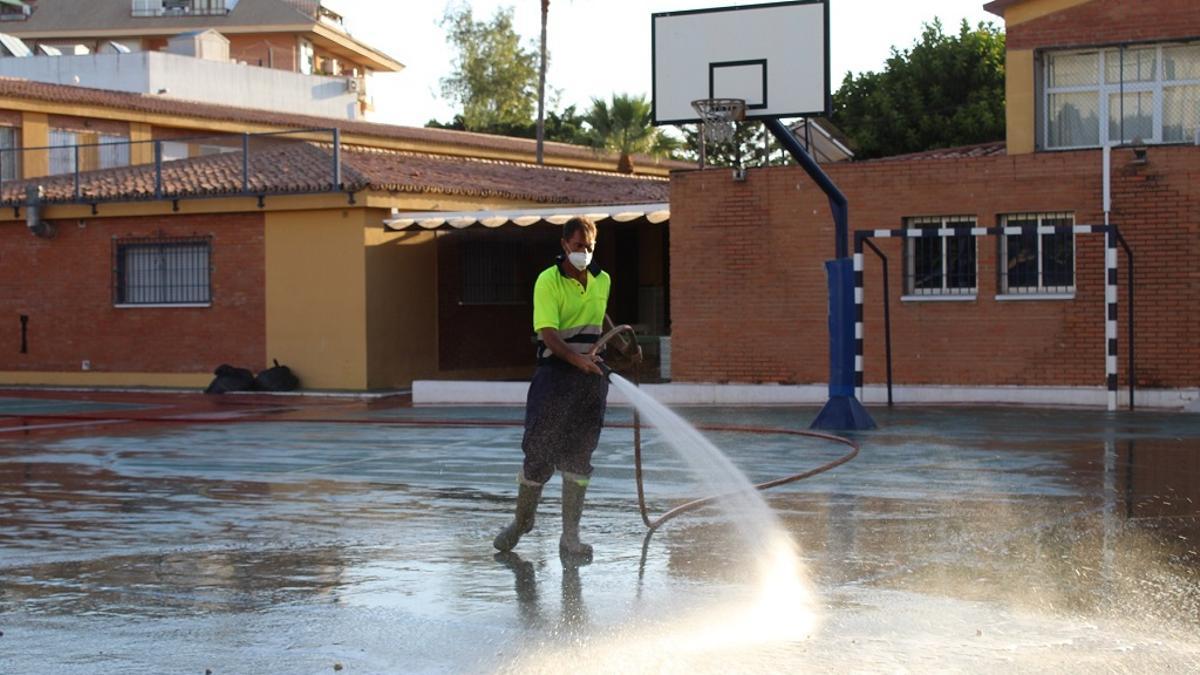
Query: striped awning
(436,220)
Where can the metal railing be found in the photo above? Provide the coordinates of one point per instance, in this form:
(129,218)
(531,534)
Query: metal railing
(191,167)
(145,8)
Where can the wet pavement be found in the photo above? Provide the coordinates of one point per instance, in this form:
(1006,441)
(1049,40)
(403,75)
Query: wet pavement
(175,534)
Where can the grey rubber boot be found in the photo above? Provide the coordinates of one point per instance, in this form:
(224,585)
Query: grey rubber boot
(528,495)
(569,546)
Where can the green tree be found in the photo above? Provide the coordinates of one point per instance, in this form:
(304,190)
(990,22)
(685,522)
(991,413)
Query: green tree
(494,78)
(751,146)
(946,90)
(625,126)
(562,126)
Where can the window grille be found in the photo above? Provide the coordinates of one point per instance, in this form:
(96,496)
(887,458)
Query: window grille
(491,273)
(1147,94)
(940,264)
(162,271)
(1035,261)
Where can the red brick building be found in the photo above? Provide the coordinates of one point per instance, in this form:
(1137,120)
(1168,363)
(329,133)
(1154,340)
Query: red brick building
(997,314)
(150,271)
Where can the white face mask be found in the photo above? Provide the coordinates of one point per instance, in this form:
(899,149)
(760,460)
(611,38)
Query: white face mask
(580,259)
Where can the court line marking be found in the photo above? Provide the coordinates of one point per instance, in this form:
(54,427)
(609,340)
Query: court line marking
(61,425)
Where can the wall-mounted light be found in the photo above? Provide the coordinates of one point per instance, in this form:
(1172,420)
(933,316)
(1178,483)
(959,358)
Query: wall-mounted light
(1139,154)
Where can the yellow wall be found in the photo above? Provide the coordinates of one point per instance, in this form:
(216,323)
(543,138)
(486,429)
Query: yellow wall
(1020,101)
(140,153)
(35,133)
(315,296)
(402,298)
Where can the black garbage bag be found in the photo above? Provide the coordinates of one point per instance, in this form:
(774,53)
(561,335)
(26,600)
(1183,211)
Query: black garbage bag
(229,378)
(278,378)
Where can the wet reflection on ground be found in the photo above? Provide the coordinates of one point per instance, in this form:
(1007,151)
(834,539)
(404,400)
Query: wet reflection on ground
(960,539)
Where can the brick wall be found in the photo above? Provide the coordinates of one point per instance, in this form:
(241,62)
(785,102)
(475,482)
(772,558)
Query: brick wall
(748,288)
(275,51)
(1103,22)
(64,285)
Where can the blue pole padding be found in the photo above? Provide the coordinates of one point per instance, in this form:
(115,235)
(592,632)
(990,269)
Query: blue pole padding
(840,275)
(843,411)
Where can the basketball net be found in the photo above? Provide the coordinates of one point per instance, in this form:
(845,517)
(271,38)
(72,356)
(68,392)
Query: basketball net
(719,116)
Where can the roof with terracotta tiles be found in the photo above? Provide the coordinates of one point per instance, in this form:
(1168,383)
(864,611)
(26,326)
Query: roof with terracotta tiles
(305,167)
(148,103)
(959,152)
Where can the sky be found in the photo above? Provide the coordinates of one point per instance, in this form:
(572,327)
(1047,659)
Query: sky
(601,47)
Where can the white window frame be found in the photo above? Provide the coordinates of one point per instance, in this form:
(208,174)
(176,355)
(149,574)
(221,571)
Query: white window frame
(173,150)
(307,57)
(1105,90)
(10,159)
(63,151)
(912,293)
(1041,291)
(112,151)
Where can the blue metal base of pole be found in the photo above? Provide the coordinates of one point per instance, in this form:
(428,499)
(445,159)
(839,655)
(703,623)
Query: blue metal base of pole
(843,413)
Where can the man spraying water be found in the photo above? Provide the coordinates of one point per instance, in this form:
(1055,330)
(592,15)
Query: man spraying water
(566,403)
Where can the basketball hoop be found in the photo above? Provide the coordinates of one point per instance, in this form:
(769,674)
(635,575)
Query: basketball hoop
(718,116)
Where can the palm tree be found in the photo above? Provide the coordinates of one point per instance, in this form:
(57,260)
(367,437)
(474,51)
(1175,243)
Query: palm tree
(541,115)
(625,126)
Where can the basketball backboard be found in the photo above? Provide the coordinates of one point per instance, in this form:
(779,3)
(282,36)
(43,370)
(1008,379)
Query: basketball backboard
(774,56)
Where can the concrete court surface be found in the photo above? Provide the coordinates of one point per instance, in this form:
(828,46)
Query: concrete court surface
(149,533)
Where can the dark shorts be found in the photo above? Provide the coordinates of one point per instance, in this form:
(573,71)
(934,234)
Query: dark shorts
(564,413)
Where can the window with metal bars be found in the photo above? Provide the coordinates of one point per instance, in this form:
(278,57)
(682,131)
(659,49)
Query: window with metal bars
(162,271)
(943,264)
(1037,261)
(491,273)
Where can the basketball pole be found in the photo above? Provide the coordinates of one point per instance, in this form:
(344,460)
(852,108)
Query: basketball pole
(843,411)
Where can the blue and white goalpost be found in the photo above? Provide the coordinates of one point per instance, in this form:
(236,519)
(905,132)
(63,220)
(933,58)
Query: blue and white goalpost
(1110,233)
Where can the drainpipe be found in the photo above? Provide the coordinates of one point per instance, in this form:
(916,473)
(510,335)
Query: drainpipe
(33,213)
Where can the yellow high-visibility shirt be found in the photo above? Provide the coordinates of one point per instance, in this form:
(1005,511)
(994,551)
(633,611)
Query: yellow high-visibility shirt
(577,313)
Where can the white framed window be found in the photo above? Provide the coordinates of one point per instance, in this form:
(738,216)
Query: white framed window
(307,57)
(173,150)
(62,151)
(1038,260)
(162,271)
(114,151)
(9,154)
(943,264)
(1144,93)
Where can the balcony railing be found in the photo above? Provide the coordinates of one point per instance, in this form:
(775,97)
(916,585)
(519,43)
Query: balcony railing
(200,167)
(151,8)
